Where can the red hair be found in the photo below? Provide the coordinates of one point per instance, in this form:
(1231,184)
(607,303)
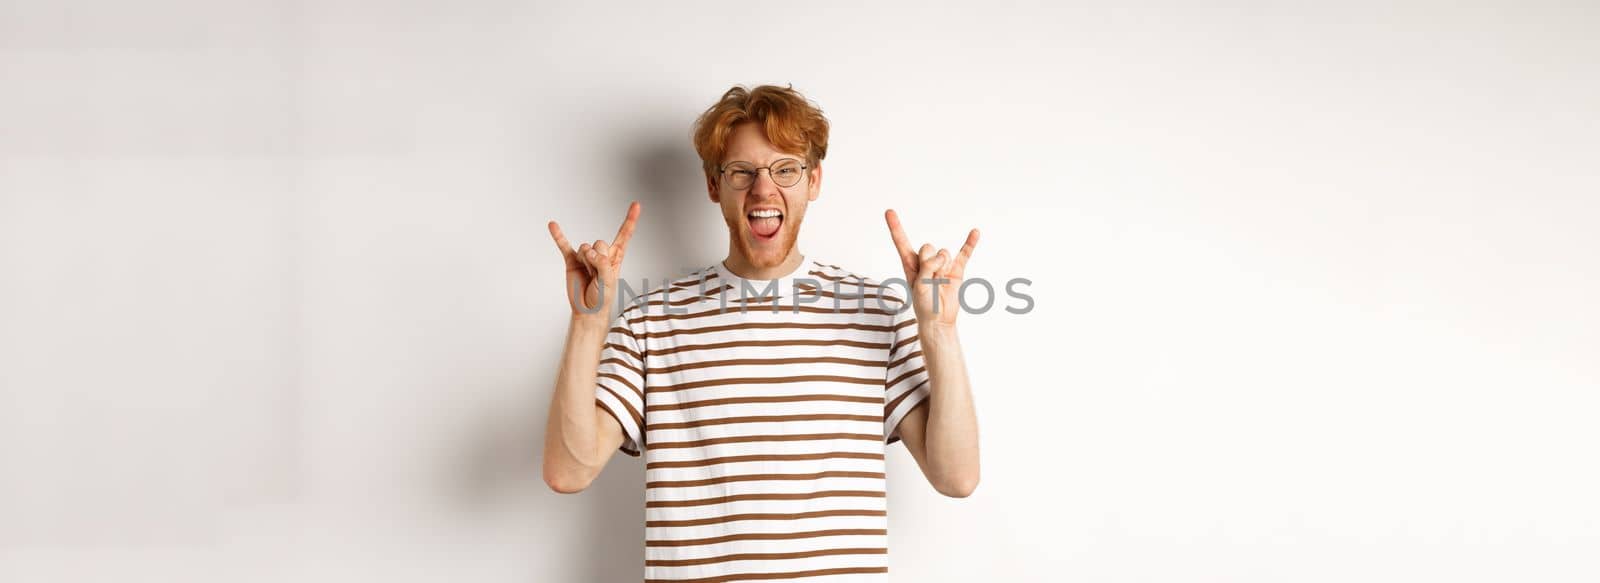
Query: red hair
(790,121)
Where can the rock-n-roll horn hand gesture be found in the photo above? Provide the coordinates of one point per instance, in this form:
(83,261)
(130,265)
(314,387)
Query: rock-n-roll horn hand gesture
(592,263)
(930,263)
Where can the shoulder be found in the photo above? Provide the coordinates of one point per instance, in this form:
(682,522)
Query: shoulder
(852,283)
(689,282)
(678,290)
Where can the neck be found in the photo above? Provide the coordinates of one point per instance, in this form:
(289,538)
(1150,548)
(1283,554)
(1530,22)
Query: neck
(740,265)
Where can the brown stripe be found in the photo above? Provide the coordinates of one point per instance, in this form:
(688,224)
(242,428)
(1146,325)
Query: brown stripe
(621,379)
(752,438)
(761,306)
(710,293)
(743,307)
(695,277)
(770,326)
(761,516)
(625,332)
(624,446)
(881,298)
(644,301)
(809,289)
(695,281)
(689,542)
(858,280)
(754,343)
(623,349)
(763,458)
(805,291)
(643,305)
(738,497)
(897,363)
(906,342)
(650,408)
(638,422)
(896,430)
(764,557)
(889,408)
(628,365)
(907,375)
(765,419)
(749,361)
(785,575)
(762,478)
(821,378)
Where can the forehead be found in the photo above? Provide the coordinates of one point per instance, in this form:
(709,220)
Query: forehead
(748,144)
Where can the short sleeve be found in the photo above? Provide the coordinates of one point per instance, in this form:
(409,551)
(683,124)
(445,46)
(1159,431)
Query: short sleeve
(906,378)
(619,383)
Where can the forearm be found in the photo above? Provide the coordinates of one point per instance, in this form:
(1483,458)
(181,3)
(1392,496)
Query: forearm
(951,436)
(571,443)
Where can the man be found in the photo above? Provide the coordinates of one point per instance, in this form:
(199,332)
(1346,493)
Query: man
(763,390)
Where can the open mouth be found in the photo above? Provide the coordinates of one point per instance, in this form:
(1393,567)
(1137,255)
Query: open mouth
(764,223)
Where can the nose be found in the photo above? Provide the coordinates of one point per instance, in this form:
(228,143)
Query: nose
(764,186)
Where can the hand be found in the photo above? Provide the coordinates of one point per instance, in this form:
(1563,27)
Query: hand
(927,263)
(593,263)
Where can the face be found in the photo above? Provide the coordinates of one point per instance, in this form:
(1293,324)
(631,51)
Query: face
(763,219)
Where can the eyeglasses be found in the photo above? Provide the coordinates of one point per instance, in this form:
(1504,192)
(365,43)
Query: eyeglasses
(740,175)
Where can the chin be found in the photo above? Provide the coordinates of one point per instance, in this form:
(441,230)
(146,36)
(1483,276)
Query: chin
(768,253)
(769,258)
(765,253)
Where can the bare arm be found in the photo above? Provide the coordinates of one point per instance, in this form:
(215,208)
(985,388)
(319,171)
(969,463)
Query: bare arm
(579,436)
(943,435)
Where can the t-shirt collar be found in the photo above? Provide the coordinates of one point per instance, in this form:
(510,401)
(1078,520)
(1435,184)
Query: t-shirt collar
(753,288)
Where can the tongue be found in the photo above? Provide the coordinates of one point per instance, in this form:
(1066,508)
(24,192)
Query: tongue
(765,227)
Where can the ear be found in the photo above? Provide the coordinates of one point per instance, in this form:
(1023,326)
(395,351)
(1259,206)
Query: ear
(711,188)
(815,187)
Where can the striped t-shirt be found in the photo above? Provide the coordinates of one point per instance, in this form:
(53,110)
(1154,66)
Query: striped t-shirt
(764,431)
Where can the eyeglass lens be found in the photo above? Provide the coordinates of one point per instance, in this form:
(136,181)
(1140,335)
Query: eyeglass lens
(784,172)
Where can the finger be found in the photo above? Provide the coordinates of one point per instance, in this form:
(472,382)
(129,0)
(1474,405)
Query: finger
(595,247)
(561,241)
(960,264)
(626,231)
(901,244)
(586,257)
(602,251)
(925,254)
(933,268)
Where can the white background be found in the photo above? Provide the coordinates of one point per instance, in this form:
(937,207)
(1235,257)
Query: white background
(1316,285)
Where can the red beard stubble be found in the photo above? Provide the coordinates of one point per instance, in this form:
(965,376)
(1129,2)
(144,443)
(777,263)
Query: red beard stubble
(789,233)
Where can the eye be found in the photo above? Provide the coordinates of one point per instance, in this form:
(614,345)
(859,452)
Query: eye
(786,171)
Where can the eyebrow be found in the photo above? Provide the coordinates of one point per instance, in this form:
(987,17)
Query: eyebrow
(781,157)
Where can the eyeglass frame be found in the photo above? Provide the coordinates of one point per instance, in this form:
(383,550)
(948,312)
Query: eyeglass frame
(723,168)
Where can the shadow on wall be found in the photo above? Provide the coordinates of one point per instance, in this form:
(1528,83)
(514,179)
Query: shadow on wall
(613,516)
(679,230)
(501,468)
